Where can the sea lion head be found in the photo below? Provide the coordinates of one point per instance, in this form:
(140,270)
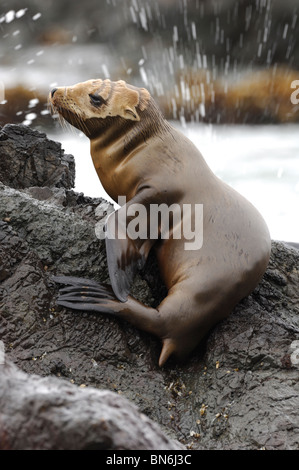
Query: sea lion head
(85,102)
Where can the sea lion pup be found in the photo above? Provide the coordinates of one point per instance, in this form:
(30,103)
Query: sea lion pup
(139,155)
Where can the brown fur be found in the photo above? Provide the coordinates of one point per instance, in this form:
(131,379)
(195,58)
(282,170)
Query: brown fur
(139,155)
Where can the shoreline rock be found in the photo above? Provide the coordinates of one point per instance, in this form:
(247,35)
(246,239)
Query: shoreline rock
(56,415)
(29,158)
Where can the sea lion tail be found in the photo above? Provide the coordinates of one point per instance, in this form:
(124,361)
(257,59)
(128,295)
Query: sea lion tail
(167,349)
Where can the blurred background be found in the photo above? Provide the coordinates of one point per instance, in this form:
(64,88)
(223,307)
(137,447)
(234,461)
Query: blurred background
(221,70)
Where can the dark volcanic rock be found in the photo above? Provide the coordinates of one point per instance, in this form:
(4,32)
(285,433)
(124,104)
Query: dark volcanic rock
(28,158)
(57,415)
(238,390)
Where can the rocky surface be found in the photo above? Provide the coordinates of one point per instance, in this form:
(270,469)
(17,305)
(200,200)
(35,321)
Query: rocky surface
(28,159)
(55,415)
(238,390)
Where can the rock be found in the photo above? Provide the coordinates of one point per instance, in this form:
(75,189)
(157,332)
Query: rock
(238,390)
(28,158)
(57,415)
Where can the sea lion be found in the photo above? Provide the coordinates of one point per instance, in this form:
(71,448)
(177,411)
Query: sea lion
(139,155)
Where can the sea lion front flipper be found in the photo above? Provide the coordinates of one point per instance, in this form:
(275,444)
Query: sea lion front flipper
(126,255)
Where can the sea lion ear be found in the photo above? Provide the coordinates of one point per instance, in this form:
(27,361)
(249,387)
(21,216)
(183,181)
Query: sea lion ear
(130,100)
(131,113)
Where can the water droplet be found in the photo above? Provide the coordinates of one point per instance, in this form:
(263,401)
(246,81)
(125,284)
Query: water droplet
(175,34)
(143,76)
(183,122)
(265,34)
(36,16)
(133,15)
(33,102)
(193,29)
(143,19)
(105,71)
(31,116)
(181,59)
(285,31)
(10,16)
(21,13)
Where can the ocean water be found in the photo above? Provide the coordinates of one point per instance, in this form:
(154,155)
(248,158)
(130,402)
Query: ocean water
(261,162)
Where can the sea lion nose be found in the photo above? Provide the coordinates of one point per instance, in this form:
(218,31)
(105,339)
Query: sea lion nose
(53,92)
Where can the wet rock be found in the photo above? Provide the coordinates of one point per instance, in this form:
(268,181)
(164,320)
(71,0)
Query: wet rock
(238,390)
(57,415)
(29,158)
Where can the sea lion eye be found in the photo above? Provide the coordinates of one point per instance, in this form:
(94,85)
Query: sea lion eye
(97,100)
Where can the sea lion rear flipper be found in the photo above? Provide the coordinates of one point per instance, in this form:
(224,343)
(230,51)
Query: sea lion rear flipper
(125,255)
